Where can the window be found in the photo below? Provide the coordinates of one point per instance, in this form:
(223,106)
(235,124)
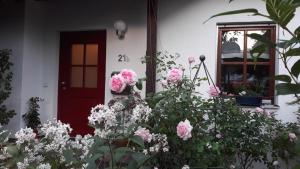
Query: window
(237,70)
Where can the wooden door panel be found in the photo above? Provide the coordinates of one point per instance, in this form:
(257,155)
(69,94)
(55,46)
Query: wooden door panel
(81,77)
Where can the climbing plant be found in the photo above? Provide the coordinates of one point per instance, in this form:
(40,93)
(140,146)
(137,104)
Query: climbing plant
(5,85)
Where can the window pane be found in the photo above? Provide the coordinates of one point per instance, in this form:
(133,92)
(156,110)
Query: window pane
(76,76)
(231,78)
(232,46)
(91,54)
(77,54)
(91,79)
(258,79)
(252,43)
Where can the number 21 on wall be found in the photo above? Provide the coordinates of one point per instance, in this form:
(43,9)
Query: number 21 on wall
(123,58)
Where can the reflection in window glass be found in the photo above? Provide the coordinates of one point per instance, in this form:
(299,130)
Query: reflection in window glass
(252,43)
(258,79)
(232,76)
(91,54)
(77,54)
(232,46)
(76,76)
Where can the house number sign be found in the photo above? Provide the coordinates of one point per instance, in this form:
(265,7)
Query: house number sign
(123,58)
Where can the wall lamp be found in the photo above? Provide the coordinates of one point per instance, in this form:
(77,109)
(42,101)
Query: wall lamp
(120,28)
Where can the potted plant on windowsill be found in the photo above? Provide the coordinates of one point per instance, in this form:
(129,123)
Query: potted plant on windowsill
(248,97)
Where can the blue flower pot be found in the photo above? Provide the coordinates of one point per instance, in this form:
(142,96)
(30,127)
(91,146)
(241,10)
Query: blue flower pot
(248,100)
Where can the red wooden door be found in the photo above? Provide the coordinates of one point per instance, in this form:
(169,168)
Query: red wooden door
(81,77)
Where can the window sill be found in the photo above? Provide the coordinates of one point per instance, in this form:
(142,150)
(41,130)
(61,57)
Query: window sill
(273,107)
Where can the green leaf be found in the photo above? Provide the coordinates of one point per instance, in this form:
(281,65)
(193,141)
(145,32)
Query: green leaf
(138,140)
(12,150)
(257,51)
(3,136)
(296,166)
(287,43)
(119,155)
(249,10)
(296,69)
(139,84)
(103,149)
(293,52)
(68,155)
(284,78)
(261,38)
(281,11)
(287,88)
(140,158)
(92,161)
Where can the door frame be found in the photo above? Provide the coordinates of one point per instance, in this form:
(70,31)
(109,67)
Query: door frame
(61,60)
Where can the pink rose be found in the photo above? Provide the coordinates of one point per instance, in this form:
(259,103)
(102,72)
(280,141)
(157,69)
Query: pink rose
(184,129)
(191,60)
(129,76)
(117,83)
(259,110)
(292,137)
(213,91)
(175,75)
(144,134)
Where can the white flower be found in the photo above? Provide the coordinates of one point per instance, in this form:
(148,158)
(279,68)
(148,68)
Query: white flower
(144,134)
(145,151)
(151,149)
(275,163)
(23,165)
(141,113)
(24,135)
(57,134)
(165,149)
(242,93)
(103,116)
(292,137)
(44,166)
(117,106)
(208,145)
(219,136)
(232,166)
(185,167)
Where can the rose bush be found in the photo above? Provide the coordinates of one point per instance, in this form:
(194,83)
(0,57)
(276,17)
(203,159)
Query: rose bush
(217,133)
(174,128)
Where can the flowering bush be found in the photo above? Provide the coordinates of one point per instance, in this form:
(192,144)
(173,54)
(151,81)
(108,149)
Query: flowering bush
(175,128)
(120,138)
(213,132)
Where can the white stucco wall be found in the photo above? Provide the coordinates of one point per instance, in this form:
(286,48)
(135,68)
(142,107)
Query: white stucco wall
(11,37)
(181,30)
(43,22)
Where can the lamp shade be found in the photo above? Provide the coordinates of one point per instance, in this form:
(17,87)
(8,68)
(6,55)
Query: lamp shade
(120,25)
